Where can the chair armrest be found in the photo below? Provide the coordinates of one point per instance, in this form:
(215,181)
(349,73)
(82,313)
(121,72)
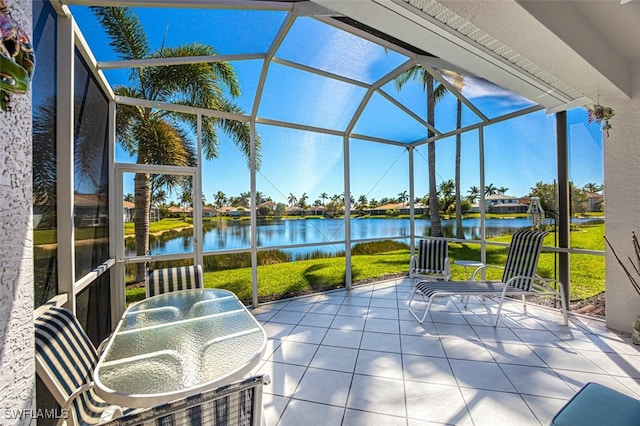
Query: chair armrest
(482,268)
(544,286)
(82,389)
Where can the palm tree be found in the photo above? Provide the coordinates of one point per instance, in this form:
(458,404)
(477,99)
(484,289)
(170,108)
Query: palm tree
(185,200)
(324,196)
(245,198)
(292,199)
(219,199)
(159,198)
(155,136)
(502,190)
(416,72)
(458,82)
(490,189)
(592,187)
(474,193)
(403,197)
(302,201)
(129,197)
(447,189)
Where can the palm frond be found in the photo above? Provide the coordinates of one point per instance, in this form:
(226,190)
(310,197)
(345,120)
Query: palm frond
(161,142)
(127,37)
(439,92)
(414,73)
(128,118)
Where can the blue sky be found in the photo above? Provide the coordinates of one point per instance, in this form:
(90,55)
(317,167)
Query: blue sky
(518,153)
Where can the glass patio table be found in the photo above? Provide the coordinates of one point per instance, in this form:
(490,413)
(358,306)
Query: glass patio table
(178,344)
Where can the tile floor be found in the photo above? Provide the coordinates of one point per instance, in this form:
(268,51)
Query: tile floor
(359,358)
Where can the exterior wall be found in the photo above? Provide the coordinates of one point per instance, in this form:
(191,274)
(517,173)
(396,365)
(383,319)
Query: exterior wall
(17,369)
(622,203)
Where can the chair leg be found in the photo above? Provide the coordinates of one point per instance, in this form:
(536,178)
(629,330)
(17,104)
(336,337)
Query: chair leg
(426,312)
(524,304)
(564,307)
(495,324)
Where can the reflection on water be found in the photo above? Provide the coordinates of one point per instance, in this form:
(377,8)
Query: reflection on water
(236,234)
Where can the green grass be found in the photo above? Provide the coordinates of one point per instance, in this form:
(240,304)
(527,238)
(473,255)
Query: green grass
(386,259)
(165,224)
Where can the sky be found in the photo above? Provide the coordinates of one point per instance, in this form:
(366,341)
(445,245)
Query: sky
(518,153)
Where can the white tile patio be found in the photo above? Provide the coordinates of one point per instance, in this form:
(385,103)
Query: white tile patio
(359,358)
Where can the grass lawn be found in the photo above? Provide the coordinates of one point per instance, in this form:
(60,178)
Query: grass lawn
(162,225)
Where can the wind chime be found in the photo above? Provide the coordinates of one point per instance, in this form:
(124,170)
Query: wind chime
(535,213)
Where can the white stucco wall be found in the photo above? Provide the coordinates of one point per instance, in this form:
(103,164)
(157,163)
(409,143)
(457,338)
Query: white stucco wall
(622,203)
(17,371)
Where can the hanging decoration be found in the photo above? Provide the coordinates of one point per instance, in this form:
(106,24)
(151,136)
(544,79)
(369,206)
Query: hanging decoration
(601,114)
(535,212)
(17,58)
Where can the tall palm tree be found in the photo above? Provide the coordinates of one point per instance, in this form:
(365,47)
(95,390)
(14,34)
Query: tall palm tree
(302,201)
(292,199)
(434,94)
(324,196)
(155,136)
(219,199)
(458,82)
(186,200)
(403,197)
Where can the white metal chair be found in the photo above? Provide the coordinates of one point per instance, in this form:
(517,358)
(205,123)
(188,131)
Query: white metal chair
(161,281)
(431,261)
(518,279)
(65,359)
(237,404)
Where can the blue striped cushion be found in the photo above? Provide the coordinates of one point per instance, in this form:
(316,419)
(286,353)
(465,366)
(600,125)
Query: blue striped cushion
(161,281)
(522,258)
(232,405)
(431,256)
(67,355)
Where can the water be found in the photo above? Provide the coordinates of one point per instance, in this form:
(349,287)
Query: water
(236,234)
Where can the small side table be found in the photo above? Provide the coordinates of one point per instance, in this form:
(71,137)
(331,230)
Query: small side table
(468,264)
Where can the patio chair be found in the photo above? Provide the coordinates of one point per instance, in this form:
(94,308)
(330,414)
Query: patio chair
(518,279)
(65,359)
(161,281)
(237,404)
(432,261)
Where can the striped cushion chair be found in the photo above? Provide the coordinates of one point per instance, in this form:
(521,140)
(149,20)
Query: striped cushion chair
(519,278)
(161,281)
(65,359)
(432,261)
(236,404)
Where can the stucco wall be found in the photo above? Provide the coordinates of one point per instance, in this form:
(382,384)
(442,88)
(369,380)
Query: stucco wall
(17,371)
(622,203)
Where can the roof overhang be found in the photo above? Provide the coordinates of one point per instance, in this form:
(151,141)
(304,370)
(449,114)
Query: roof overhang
(506,43)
